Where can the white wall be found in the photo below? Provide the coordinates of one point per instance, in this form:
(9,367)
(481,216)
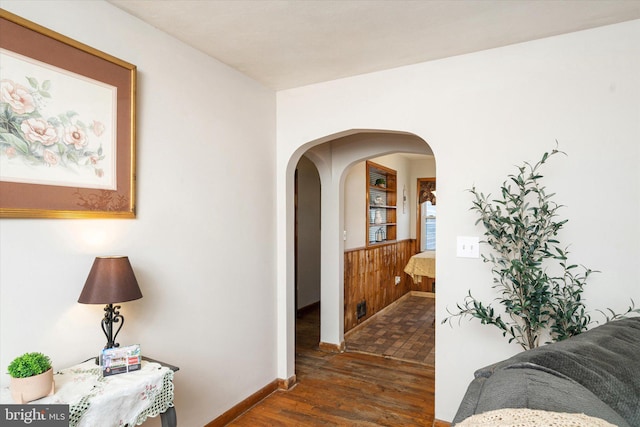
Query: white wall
(308,255)
(201,245)
(482,114)
(355,187)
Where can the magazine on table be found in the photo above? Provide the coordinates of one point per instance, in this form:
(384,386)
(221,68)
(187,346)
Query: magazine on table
(120,360)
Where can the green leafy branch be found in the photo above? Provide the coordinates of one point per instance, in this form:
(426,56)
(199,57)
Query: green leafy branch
(522,227)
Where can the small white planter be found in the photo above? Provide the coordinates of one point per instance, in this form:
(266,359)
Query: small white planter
(25,390)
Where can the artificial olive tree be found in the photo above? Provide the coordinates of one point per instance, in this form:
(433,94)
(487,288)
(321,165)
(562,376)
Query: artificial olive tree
(539,290)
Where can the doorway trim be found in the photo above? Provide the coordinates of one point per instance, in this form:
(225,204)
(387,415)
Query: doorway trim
(423,184)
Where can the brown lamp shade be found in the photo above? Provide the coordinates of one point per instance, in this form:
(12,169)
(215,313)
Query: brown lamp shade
(111,280)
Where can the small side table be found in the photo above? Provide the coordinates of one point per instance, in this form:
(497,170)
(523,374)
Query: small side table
(168,417)
(114,400)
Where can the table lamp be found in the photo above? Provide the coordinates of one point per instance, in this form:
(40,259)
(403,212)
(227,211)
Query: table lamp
(111,280)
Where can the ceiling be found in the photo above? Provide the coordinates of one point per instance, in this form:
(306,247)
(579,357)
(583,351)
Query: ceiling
(290,43)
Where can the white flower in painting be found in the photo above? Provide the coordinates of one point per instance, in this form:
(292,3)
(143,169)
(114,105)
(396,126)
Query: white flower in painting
(61,140)
(17,96)
(75,136)
(50,158)
(97,128)
(39,130)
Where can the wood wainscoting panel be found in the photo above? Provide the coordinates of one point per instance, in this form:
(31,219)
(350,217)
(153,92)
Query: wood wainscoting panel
(369,276)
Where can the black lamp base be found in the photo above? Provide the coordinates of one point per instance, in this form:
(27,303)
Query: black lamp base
(111,316)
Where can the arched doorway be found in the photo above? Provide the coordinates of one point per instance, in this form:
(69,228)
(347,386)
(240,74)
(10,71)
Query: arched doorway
(332,156)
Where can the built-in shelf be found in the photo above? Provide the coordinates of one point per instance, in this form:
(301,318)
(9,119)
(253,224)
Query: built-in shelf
(381,204)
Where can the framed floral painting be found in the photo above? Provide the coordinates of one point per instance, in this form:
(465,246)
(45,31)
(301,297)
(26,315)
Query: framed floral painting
(67,126)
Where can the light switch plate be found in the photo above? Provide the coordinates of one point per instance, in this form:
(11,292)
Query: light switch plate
(468,247)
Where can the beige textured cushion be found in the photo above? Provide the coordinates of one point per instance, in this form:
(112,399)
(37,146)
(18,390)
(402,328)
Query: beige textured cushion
(531,418)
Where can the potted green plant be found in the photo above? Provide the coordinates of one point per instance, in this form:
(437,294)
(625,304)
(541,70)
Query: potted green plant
(539,290)
(31,377)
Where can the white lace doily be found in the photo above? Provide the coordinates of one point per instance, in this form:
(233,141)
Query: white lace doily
(531,418)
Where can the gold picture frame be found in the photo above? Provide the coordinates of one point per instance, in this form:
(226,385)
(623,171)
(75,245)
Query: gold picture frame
(67,126)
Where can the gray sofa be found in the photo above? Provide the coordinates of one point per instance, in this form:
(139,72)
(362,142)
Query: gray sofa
(596,373)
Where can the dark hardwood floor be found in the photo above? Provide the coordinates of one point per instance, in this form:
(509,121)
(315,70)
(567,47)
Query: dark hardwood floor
(346,389)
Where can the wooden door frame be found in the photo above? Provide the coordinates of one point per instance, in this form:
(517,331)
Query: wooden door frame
(419,181)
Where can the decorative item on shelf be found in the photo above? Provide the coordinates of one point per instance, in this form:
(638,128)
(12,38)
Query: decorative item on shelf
(111,280)
(31,377)
(378,218)
(382,201)
(380,235)
(404,199)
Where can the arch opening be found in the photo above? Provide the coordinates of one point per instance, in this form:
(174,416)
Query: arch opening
(333,157)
